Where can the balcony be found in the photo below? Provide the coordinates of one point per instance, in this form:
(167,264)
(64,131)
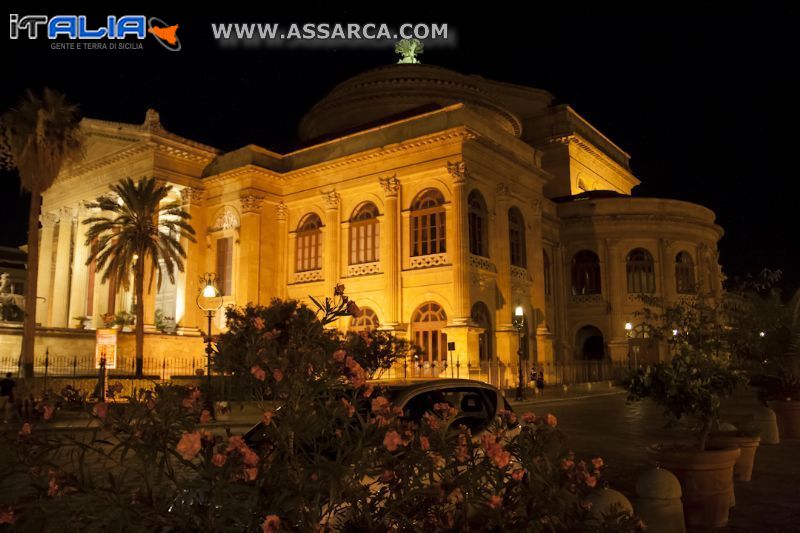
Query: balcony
(427,261)
(364,269)
(308,276)
(481,263)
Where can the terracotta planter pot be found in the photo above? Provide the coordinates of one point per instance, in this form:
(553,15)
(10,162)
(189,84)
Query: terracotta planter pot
(788,415)
(706,481)
(743,469)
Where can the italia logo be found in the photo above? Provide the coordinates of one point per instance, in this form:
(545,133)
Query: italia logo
(76,27)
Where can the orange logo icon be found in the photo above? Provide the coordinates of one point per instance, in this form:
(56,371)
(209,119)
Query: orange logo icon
(168,34)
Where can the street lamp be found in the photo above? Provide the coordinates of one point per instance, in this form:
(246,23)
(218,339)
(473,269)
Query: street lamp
(519,324)
(209,301)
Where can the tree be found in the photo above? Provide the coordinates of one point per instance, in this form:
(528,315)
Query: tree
(136,230)
(39,137)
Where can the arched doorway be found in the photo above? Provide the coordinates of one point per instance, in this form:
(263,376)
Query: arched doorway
(426,330)
(589,344)
(643,348)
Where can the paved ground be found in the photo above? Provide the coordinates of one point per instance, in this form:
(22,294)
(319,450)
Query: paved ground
(606,425)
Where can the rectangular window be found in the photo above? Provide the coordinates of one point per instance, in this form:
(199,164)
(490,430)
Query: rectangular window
(225,266)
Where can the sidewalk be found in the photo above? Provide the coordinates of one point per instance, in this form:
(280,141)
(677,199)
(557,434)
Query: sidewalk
(557,393)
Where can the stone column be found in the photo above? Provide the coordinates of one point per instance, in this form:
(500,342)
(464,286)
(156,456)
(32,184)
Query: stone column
(543,348)
(80,272)
(457,250)
(390,251)
(44,288)
(60,303)
(616,292)
(249,250)
(283,259)
(506,343)
(666,260)
(331,247)
(195,257)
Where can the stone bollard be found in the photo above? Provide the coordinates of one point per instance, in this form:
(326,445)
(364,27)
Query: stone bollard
(606,501)
(765,421)
(658,501)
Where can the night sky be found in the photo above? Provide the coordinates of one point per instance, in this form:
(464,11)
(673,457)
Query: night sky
(704,100)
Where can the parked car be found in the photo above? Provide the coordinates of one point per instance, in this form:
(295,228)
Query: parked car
(477,403)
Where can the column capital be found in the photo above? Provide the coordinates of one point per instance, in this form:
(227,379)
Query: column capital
(251,203)
(192,195)
(331,199)
(66,214)
(281,211)
(48,220)
(390,186)
(458,171)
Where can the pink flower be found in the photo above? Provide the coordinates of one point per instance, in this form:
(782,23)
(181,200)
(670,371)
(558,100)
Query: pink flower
(250,474)
(392,440)
(351,410)
(433,421)
(266,418)
(551,420)
(25,430)
(52,487)
(456,496)
(219,459)
(379,404)
(271,523)
(518,474)
(501,459)
(249,457)
(368,390)
(7,516)
(101,410)
(356,373)
(387,476)
(277,374)
(189,445)
(598,462)
(529,418)
(205,416)
(424,443)
(258,373)
(339,355)
(495,501)
(567,464)
(591,481)
(48,412)
(258,322)
(235,442)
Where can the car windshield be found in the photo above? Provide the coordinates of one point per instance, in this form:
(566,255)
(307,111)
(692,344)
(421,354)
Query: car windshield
(475,407)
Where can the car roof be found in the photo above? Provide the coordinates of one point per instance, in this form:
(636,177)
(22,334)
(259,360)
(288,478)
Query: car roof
(408,387)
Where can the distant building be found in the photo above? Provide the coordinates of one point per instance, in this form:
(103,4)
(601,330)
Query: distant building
(442,201)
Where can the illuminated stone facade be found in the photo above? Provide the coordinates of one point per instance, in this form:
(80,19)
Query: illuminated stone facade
(441,201)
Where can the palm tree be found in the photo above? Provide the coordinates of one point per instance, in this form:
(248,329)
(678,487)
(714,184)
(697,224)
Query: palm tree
(134,232)
(39,137)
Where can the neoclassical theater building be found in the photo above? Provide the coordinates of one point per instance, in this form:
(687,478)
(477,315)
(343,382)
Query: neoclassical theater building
(442,201)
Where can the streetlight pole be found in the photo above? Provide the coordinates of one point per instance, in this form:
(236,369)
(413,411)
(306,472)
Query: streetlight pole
(209,300)
(519,325)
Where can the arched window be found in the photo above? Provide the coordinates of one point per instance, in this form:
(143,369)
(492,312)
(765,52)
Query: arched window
(516,237)
(478,241)
(364,235)
(426,329)
(585,273)
(480,316)
(308,249)
(428,224)
(641,274)
(548,289)
(366,320)
(684,274)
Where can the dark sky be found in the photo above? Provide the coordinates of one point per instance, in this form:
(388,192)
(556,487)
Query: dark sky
(705,100)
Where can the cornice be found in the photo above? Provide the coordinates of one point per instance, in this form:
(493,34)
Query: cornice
(586,146)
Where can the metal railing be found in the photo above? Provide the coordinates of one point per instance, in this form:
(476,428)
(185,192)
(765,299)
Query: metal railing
(64,365)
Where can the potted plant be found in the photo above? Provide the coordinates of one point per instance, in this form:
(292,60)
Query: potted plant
(691,385)
(124,320)
(82,321)
(779,386)
(746,439)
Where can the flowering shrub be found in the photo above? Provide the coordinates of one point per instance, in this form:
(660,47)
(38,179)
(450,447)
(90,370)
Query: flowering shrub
(333,453)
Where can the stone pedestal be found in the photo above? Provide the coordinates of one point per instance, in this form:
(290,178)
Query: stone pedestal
(658,501)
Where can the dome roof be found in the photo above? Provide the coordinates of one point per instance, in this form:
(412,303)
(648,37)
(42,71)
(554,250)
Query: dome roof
(397,91)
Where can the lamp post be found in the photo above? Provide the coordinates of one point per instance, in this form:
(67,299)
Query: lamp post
(519,324)
(209,301)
